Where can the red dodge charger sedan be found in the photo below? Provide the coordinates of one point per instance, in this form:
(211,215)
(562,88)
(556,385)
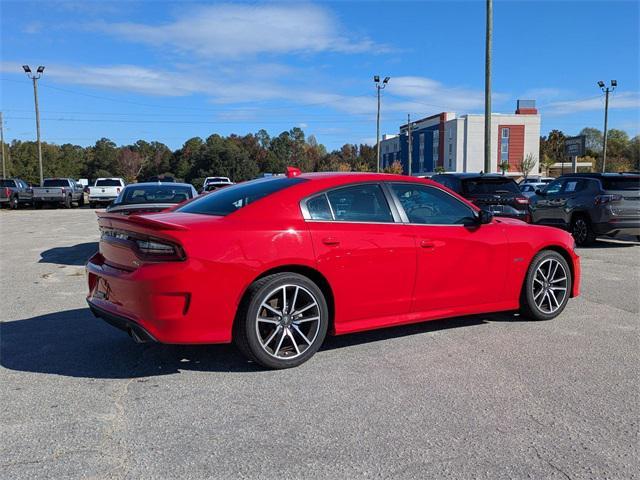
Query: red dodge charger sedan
(274,264)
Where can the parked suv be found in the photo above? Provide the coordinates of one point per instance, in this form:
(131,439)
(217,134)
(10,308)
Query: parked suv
(15,192)
(496,193)
(590,204)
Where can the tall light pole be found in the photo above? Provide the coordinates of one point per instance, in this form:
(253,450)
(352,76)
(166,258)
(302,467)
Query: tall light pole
(606,90)
(4,170)
(379,86)
(487,89)
(34,77)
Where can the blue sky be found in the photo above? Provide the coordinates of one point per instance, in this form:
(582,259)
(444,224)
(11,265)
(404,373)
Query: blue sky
(170,71)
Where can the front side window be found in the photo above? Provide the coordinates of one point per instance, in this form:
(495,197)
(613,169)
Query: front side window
(359,203)
(554,187)
(431,206)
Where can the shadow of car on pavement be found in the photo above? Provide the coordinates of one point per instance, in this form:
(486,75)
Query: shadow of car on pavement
(74,343)
(75,255)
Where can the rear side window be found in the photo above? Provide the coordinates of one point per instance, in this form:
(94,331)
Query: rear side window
(482,186)
(7,183)
(621,183)
(54,182)
(360,203)
(107,182)
(319,209)
(227,200)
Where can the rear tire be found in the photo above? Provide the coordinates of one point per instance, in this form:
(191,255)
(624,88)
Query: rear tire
(37,205)
(15,202)
(81,201)
(67,202)
(547,286)
(278,333)
(582,231)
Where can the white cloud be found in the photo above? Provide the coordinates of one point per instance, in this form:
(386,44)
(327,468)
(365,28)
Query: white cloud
(238,30)
(622,100)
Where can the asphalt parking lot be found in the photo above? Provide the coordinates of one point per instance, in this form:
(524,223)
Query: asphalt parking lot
(484,397)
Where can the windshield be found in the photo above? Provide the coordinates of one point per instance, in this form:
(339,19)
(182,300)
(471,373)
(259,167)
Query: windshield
(7,183)
(163,193)
(55,182)
(228,200)
(621,183)
(483,186)
(108,182)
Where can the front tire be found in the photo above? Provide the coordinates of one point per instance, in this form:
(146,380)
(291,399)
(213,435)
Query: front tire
(547,286)
(282,321)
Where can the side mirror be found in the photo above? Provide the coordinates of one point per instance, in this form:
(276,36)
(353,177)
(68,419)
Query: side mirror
(485,217)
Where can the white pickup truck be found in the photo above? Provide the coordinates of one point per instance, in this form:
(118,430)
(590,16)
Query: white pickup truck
(105,191)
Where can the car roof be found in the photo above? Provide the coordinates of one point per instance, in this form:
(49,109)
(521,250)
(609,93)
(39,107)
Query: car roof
(149,184)
(468,175)
(602,175)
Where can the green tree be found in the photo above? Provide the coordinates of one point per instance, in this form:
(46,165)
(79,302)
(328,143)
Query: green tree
(528,164)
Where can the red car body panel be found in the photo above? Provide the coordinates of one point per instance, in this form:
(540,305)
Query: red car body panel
(378,274)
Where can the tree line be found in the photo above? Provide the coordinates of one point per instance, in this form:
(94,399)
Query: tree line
(237,157)
(245,157)
(623,153)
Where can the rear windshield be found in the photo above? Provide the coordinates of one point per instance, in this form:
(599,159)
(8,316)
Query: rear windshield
(480,186)
(228,200)
(163,193)
(107,182)
(621,183)
(53,182)
(7,183)
(216,186)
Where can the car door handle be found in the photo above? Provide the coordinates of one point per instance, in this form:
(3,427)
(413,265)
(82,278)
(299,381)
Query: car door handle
(427,244)
(330,241)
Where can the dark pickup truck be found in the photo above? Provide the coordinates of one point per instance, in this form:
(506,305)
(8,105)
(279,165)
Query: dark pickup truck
(15,192)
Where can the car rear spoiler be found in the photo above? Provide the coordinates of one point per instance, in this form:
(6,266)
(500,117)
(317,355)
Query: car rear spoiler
(143,221)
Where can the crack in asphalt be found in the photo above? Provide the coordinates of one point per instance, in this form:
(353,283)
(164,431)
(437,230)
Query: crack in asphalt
(551,464)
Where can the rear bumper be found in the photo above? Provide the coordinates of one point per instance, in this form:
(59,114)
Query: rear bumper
(172,302)
(136,331)
(618,226)
(102,199)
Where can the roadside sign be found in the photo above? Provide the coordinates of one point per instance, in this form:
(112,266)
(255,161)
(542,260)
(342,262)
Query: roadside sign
(575,146)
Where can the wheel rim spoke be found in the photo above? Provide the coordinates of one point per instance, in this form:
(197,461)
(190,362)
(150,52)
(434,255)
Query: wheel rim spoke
(295,298)
(304,337)
(304,309)
(271,309)
(303,320)
(275,332)
(269,320)
(284,334)
(293,340)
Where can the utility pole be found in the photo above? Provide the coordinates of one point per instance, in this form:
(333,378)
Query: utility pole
(379,87)
(4,170)
(409,141)
(487,89)
(606,90)
(34,77)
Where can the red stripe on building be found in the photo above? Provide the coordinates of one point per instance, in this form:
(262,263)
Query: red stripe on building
(516,146)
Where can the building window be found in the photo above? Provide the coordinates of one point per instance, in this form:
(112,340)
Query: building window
(504,145)
(450,148)
(436,147)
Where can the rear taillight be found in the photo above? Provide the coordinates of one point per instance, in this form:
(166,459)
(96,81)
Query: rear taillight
(7,192)
(158,250)
(146,248)
(522,200)
(64,189)
(604,199)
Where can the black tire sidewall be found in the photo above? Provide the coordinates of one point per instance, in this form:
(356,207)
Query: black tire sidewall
(257,297)
(530,308)
(589,237)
